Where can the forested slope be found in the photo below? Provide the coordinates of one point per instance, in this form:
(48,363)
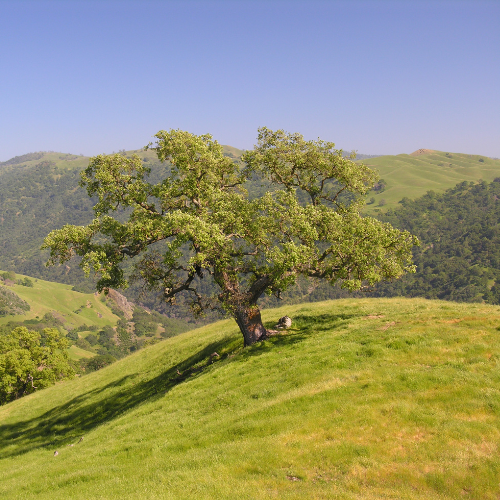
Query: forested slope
(459,258)
(457,261)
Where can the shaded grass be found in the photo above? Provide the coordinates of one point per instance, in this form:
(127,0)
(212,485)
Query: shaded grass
(359,399)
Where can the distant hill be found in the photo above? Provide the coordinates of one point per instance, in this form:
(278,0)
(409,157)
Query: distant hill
(96,324)
(73,309)
(39,192)
(412,175)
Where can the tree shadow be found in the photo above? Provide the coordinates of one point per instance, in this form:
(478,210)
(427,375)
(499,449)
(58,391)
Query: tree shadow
(66,423)
(320,322)
(303,327)
(306,324)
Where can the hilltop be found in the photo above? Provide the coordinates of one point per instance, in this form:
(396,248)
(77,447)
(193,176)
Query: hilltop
(361,398)
(412,175)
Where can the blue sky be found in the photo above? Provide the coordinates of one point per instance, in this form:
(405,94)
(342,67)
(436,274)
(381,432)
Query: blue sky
(380,77)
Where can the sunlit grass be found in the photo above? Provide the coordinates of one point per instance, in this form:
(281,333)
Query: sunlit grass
(73,308)
(412,176)
(359,399)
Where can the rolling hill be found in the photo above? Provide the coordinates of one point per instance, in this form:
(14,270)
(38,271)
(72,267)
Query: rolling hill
(91,317)
(360,399)
(74,309)
(411,176)
(39,192)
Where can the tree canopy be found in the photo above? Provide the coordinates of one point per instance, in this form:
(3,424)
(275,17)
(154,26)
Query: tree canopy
(198,223)
(30,360)
(459,258)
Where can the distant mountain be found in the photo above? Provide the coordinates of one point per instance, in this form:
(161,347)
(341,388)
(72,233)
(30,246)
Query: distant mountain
(412,175)
(39,192)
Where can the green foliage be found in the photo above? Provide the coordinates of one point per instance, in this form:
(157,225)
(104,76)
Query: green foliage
(459,258)
(86,328)
(199,223)
(144,323)
(72,335)
(379,186)
(25,282)
(30,360)
(83,343)
(96,363)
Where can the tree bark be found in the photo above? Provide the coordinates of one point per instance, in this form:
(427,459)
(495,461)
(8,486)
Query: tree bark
(250,323)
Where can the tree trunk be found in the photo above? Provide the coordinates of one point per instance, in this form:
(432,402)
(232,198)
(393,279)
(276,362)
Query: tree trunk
(250,323)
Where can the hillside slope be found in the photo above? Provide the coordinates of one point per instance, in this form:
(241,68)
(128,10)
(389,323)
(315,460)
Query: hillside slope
(360,399)
(459,256)
(73,309)
(94,323)
(413,175)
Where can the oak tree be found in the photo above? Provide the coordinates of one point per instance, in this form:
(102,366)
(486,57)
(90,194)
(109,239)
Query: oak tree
(30,360)
(199,223)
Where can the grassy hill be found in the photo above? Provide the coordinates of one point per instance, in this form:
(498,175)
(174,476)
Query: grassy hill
(87,315)
(360,399)
(424,170)
(74,309)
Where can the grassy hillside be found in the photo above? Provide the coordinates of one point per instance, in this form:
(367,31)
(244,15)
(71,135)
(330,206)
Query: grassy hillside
(413,175)
(360,399)
(72,308)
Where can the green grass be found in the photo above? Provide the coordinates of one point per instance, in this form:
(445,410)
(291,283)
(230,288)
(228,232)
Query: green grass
(361,399)
(47,296)
(413,176)
(76,353)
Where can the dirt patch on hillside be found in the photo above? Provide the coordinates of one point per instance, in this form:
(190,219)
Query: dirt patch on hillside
(419,152)
(122,303)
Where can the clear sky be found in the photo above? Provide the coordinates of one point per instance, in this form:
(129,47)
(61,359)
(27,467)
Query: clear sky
(380,77)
